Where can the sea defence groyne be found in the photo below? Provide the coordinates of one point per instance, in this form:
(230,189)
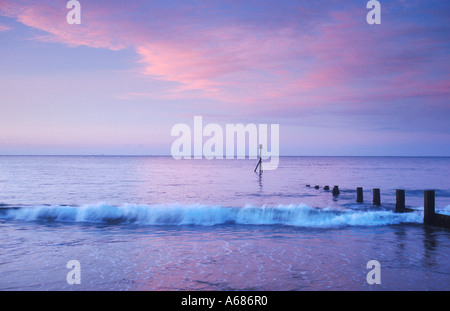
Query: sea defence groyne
(430,217)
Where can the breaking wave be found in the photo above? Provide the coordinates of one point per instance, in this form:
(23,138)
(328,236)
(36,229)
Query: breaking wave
(206,215)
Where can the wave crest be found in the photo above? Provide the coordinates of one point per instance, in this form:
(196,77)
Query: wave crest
(299,215)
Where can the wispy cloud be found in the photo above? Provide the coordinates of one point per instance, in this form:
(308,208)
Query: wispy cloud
(4,27)
(243,60)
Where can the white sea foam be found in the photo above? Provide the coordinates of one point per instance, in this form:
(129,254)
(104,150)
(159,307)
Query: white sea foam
(299,215)
(444,211)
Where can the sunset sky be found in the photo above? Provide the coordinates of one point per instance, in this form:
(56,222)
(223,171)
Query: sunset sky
(118,82)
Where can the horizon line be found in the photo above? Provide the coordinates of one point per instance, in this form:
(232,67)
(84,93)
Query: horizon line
(235,157)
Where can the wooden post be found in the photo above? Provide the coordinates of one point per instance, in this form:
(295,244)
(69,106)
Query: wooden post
(376,197)
(430,216)
(400,205)
(359,195)
(428,206)
(336,190)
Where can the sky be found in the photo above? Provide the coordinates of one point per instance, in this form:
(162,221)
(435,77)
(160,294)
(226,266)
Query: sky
(118,82)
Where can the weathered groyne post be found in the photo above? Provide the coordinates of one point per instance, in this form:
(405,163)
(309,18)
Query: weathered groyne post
(400,204)
(429,211)
(359,195)
(428,206)
(376,197)
(336,190)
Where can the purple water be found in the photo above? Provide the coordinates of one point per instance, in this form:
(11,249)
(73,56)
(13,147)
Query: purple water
(155,223)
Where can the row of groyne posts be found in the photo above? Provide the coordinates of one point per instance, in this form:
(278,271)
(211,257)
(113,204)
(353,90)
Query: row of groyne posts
(429,213)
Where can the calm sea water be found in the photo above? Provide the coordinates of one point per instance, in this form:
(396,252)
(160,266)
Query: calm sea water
(155,223)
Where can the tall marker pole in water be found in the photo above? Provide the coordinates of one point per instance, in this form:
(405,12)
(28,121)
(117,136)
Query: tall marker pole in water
(260,160)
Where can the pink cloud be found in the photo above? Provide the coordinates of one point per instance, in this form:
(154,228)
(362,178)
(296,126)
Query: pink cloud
(340,59)
(50,17)
(212,62)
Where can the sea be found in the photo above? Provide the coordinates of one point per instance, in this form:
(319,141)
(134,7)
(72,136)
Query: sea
(153,223)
